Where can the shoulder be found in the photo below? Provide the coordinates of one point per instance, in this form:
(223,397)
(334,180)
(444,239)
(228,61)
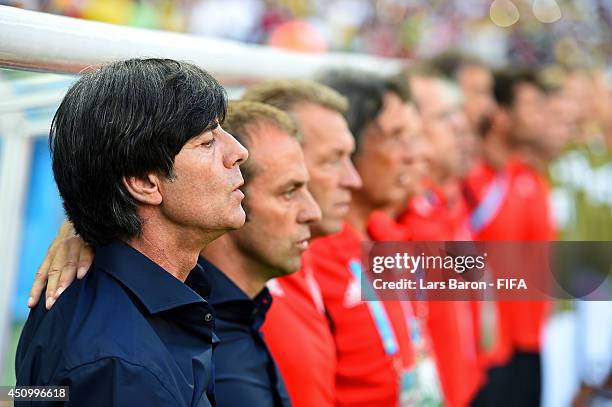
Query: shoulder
(339,247)
(94,319)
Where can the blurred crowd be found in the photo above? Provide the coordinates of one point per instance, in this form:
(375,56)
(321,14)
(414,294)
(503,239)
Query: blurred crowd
(525,32)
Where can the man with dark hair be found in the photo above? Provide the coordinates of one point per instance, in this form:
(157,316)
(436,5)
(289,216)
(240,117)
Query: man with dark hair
(148,178)
(368,98)
(475,80)
(377,107)
(511,203)
(382,356)
(439,103)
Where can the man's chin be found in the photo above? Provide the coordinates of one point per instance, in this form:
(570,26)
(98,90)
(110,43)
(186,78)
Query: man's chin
(326,227)
(236,219)
(285,271)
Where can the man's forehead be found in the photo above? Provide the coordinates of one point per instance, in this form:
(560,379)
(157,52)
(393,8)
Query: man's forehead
(394,110)
(474,72)
(264,135)
(312,117)
(283,172)
(275,154)
(441,97)
(323,127)
(527,89)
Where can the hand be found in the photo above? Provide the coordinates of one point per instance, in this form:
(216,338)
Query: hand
(68,257)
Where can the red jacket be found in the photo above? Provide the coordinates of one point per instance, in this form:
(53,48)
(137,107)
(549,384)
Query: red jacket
(366,374)
(451,324)
(298,335)
(521,212)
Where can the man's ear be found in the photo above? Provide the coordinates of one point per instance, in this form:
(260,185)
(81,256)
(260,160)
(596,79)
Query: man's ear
(144,189)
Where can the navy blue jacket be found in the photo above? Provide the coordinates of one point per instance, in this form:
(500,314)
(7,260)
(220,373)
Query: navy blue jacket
(245,373)
(128,334)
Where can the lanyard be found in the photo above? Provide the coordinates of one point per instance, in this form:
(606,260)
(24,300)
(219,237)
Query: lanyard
(315,291)
(377,310)
(380,316)
(491,203)
(418,385)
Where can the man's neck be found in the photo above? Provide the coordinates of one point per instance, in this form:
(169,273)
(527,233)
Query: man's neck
(170,254)
(358,216)
(173,248)
(439,176)
(451,189)
(496,151)
(448,184)
(245,272)
(530,156)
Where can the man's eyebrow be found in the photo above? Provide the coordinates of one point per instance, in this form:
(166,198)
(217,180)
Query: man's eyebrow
(199,136)
(293,182)
(335,151)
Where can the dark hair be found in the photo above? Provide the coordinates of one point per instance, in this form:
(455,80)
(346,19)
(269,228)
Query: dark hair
(365,93)
(127,118)
(505,83)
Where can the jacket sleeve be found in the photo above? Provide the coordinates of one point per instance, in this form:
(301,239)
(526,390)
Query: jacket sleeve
(118,383)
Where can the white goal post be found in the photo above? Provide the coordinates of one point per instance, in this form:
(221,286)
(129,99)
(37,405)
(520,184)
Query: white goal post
(52,43)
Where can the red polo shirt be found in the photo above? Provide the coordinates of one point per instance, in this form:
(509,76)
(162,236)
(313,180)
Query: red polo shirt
(433,216)
(298,335)
(366,375)
(451,323)
(520,211)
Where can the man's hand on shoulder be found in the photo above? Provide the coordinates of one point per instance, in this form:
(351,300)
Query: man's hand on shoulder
(68,257)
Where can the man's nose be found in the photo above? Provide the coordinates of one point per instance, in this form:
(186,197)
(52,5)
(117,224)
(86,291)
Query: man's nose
(235,153)
(350,177)
(310,212)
